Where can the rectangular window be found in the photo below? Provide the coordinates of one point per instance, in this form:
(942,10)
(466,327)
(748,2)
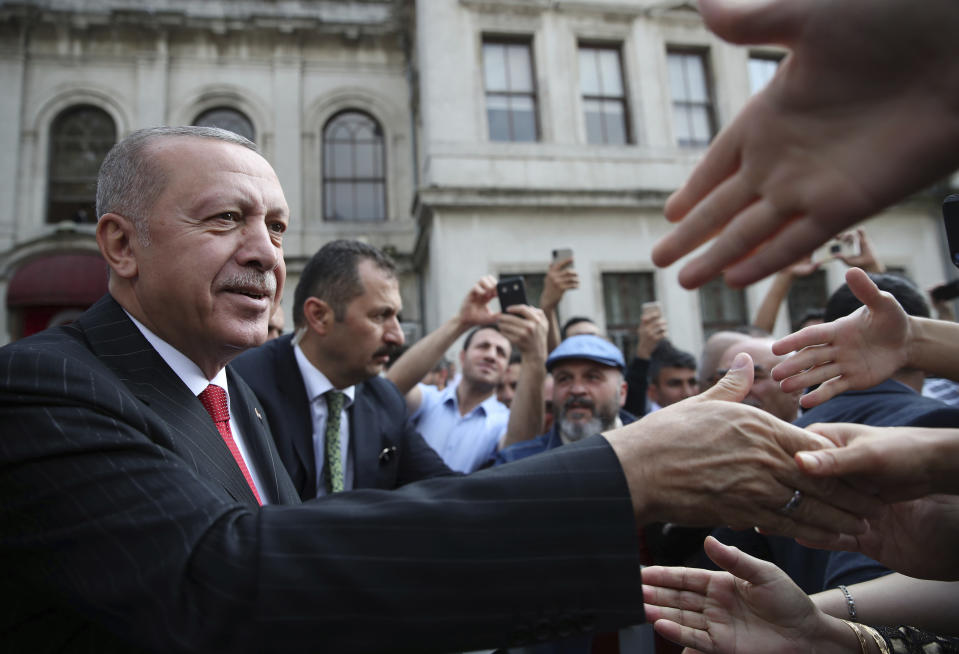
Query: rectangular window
(692,98)
(604,96)
(761,70)
(722,307)
(623,297)
(510,90)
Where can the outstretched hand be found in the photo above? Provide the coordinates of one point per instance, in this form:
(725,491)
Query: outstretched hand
(752,607)
(709,460)
(859,115)
(855,352)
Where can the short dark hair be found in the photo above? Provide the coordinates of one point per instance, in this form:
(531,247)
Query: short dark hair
(666,355)
(842,302)
(332,276)
(472,332)
(572,321)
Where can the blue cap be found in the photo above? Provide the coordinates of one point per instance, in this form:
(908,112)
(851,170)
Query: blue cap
(587,346)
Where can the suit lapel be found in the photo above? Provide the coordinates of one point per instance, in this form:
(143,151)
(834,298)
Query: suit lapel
(249,415)
(190,431)
(365,440)
(298,420)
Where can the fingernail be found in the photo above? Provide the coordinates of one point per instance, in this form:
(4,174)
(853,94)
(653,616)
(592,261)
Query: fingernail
(809,461)
(741,361)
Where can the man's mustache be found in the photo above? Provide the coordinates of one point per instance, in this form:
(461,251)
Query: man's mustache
(251,281)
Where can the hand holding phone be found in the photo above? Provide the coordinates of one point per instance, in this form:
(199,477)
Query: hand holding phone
(511,290)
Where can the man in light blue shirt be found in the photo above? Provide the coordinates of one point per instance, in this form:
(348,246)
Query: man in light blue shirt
(465,422)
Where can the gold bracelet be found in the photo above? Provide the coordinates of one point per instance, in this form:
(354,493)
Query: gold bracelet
(880,641)
(859,634)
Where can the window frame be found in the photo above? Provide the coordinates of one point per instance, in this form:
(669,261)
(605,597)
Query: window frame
(709,105)
(53,179)
(328,181)
(532,94)
(622,100)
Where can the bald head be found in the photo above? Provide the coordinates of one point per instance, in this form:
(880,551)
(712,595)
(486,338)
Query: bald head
(766,393)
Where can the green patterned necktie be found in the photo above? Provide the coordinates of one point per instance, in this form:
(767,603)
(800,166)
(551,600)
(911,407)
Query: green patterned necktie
(333,461)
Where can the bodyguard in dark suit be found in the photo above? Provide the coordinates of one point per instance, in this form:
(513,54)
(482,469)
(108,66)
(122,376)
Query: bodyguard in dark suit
(129,522)
(346,311)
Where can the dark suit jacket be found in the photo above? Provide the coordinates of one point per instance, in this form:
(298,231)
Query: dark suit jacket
(387,450)
(889,404)
(125,525)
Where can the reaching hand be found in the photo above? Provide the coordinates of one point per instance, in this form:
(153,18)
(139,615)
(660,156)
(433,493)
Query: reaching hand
(896,463)
(560,277)
(753,607)
(918,538)
(475,308)
(856,351)
(860,114)
(525,327)
(709,460)
(652,330)
(866,259)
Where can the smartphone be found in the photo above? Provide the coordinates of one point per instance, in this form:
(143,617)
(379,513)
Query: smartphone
(511,290)
(947,291)
(950,218)
(846,245)
(562,253)
(654,306)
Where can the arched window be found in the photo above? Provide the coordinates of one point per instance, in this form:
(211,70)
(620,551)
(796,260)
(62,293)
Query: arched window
(80,138)
(227,118)
(354,172)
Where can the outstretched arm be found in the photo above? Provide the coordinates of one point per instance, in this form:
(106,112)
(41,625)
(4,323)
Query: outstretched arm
(413,365)
(866,347)
(860,114)
(895,600)
(752,607)
(711,460)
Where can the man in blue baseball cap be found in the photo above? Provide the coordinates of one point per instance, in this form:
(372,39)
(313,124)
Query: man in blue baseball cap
(588,394)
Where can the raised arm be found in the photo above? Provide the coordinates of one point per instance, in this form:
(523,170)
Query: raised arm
(560,277)
(525,327)
(769,308)
(413,365)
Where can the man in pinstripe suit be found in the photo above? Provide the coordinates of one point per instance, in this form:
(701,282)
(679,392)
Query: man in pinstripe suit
(130,522)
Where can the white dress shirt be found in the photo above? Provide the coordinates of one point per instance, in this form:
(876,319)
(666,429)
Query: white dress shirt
(317,385)
(191,375)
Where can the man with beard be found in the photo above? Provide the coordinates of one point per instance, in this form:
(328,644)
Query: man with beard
(588,393)
(346,327)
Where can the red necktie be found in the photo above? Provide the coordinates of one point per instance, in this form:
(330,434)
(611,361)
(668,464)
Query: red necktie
(213,398)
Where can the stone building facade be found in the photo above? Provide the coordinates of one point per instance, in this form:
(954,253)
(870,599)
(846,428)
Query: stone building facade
(464,136)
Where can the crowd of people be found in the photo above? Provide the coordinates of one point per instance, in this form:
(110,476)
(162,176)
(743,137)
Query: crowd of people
(175,482)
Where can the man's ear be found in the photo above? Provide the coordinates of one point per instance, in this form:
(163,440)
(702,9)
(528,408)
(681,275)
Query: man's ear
(318,315)
(623,389)
(115,234)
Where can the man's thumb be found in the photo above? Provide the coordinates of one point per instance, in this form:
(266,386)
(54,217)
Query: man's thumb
(735,384)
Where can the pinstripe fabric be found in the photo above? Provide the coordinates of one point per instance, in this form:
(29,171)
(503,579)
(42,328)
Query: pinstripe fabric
(126,526)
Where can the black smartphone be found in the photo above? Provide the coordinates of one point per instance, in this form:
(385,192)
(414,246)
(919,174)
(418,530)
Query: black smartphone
(950,218)
(511,290)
